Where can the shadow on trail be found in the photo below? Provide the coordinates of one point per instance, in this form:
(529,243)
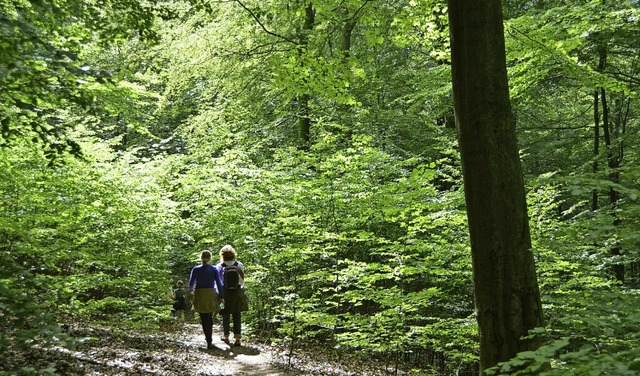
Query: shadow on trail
(230,352)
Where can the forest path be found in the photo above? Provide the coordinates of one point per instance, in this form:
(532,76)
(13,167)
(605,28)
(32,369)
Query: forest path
(179,350)
(224,359)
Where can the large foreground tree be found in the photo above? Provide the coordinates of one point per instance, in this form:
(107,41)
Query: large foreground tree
(507,297)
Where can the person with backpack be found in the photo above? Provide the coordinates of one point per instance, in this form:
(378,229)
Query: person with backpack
(232,272)
(179,300)
(203,284)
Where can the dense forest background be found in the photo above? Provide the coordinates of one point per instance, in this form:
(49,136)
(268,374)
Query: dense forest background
(318,138)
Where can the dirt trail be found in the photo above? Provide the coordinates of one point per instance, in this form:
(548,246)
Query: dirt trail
(178,351)
(228,360)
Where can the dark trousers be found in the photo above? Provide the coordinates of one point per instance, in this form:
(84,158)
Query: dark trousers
(236,324)
(207,326)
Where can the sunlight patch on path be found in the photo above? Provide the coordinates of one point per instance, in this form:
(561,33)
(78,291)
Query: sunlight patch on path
(245,360)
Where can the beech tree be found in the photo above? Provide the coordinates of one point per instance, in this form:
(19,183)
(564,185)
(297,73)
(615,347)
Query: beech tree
(507,297)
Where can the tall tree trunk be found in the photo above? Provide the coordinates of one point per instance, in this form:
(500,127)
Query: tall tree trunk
(304,116)
(347,31)
(304,120)
(623,110)
(613,162)
(596,146)
(507,297)
(613,155)
(348,25)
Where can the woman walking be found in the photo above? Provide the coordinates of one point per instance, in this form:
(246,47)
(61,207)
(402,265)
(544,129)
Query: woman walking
(206,287)
(232,272)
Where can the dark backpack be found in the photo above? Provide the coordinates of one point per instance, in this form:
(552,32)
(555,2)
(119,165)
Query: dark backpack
(231,275)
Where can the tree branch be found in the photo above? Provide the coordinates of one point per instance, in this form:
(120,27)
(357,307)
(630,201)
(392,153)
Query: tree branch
(253,15)
(358,11)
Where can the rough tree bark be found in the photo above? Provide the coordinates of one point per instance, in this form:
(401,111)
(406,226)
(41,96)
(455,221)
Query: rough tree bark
(507,297)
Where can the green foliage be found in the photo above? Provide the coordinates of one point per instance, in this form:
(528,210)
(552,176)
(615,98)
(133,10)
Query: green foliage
(425,24)
(23,322)
(554,52)
(353,258)
(78,241)
(41,70)
(592,324)
(595,338)
(357,241)
(559,54)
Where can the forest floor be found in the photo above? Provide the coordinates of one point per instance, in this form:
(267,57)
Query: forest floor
(180,350)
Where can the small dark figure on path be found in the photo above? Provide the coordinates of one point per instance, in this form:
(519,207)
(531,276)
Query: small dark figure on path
(206,287)
(179,300)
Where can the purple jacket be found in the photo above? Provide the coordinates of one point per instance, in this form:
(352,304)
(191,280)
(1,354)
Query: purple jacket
(205,276)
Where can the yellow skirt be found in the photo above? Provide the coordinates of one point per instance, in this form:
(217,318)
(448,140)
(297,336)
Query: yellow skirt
(206,301)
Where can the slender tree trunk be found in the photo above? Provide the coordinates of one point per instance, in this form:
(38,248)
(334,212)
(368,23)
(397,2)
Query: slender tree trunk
(304,121)
(347,31)
(304,116)
(623,110)
(602,58)
(606,127)
(596,146)
(507,297)
(613,162)
(348,25)
(613,155)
